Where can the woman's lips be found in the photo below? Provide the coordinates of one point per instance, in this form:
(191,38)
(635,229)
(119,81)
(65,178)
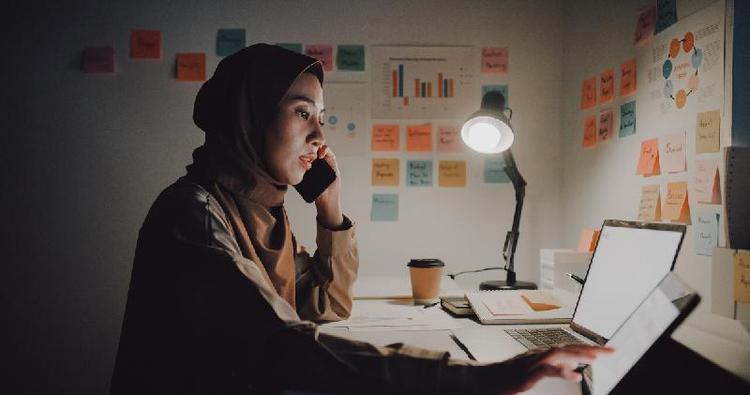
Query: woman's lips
(307,160)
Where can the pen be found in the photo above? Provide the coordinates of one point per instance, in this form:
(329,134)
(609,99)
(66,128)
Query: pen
(576,278)
(431,304)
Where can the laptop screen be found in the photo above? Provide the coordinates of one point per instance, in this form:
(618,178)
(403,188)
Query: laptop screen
(629,261)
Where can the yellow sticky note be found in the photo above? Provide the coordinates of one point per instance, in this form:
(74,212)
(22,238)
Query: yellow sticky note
(191,66)
(589,132)
(419,138)
(706,181)
(385,172)
(449,139)
(385,138)
(650,206)
(452,173)
(648,162)
(628,77)
(742,276)
(588,93)
(607,86)
(676,206)
(707,131)
(675,159)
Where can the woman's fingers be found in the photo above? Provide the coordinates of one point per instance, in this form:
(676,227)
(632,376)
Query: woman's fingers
(325,153)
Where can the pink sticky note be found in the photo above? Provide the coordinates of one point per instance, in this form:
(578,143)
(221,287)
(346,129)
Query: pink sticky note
(606,122)
(449,139)
(495,61)
(607,86)
(99,60)
(322,52)
(645,27)
(674,153)
(706,181)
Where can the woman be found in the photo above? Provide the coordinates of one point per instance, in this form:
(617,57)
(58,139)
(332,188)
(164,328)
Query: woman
(222,297)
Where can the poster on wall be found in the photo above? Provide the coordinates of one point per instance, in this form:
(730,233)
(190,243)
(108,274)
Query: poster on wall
(413,82)
(346,117)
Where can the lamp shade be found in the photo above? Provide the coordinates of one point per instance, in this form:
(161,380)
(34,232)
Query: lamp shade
(488,132)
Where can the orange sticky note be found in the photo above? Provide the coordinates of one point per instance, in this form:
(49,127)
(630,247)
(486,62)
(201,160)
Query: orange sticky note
(650,206)
(386,138)
(385,172)
(706,181)
(419,138)
(452,173)
(587,241)
(588,93)
(495,61)
(322,52)
(145,44)
(589,132)
(449,139)
(606,125)
(607,86)
(627,78)
(648,162)
(191,66)
(676,206)
(675,160)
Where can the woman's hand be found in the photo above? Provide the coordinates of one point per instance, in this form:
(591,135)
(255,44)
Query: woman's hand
(329,202)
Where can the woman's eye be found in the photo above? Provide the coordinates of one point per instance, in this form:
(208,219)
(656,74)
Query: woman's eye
(304,114)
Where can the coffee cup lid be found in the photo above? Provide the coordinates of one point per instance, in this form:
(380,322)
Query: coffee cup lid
(425,263)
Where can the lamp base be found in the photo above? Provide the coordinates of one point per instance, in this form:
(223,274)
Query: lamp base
(505,285)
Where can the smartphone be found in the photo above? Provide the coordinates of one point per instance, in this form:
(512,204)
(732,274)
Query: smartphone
(315,180)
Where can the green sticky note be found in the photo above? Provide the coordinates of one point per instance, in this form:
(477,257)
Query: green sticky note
(296,47)
(384,207)
(350,57)
(494,171)
(419,173)
(497,88)
(229,41)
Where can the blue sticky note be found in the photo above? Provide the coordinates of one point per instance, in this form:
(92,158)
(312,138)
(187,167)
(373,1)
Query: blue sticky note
(350,57)
(296,47)
(384,207)
(627,119)
(419,173)
(666,14)
(706,233)
(229,41)
(494,171)
(497,88)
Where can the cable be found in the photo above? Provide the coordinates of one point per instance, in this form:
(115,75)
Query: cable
(453,275)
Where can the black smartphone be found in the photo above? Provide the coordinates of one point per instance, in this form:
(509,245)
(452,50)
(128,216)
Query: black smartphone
(315,180)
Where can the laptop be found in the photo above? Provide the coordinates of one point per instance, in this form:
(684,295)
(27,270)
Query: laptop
(629,261)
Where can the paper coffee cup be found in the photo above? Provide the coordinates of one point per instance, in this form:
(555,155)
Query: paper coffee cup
(425,279)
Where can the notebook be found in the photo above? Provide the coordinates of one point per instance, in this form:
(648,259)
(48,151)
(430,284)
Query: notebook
(521,307)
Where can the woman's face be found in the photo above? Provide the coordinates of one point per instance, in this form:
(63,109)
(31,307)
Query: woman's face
(296,135)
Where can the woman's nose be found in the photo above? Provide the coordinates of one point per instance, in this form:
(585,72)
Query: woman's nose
(316,137)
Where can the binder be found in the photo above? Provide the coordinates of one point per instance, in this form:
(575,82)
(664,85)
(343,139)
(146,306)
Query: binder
(737,192)
(479,299)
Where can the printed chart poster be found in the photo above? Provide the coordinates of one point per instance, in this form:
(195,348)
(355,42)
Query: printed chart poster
(413,82)
(346,118)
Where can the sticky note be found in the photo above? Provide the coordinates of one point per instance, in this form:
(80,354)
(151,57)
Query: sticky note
(452,173)
(322,52)
(675,159)
(494,171)
(384,207)
(648,161)
(449,139)
(628,77)
(588,93)
(627,119)
(99,60)
(589,132)
(191,66)
(385,172)
(588,240)
(385,138)
(295,47)
(419,138)
(607,86)
(645,26)
(706,233)
(145,44)
(495,61)
(419,173)
(706,182)
(350,57)
(676,207)
(606,124)
(649,208)
(742,276)
(707,129)
(503,89)
(666,14)
(229,41)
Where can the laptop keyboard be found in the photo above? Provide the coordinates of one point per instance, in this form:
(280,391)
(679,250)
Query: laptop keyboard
(542,338)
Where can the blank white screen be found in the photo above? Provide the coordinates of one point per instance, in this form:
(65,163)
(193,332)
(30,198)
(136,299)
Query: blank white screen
(627,266)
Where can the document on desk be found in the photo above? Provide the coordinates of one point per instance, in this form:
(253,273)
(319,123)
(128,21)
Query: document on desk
(395,315)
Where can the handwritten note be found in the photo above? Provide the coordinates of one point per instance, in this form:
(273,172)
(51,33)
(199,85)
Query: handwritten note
(589,132)
(666,14)
(707,131)
(322,52)
(675,159)
(99,60)
(588,93)
(229,41)
(386,138)
(588,240)
(628,77)
(706,233)
(452,173)
(419,173)
(742,276)
(649,208)
(295,47)
(384,207)
(350,57)
(645,27)
(676,206)
(607,86)
(648,162)
(503,89)
(706,183)
(495,61)
(627,119)
(606,124)
(449,139)
(145,44)
(494,171)
(385,172)
(191,66)
(419,138)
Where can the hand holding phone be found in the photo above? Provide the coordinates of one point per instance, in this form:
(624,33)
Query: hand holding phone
(316,180)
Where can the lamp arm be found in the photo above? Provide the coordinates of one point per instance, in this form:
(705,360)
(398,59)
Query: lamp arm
(511,238)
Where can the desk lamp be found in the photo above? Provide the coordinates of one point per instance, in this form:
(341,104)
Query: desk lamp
(488,131)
